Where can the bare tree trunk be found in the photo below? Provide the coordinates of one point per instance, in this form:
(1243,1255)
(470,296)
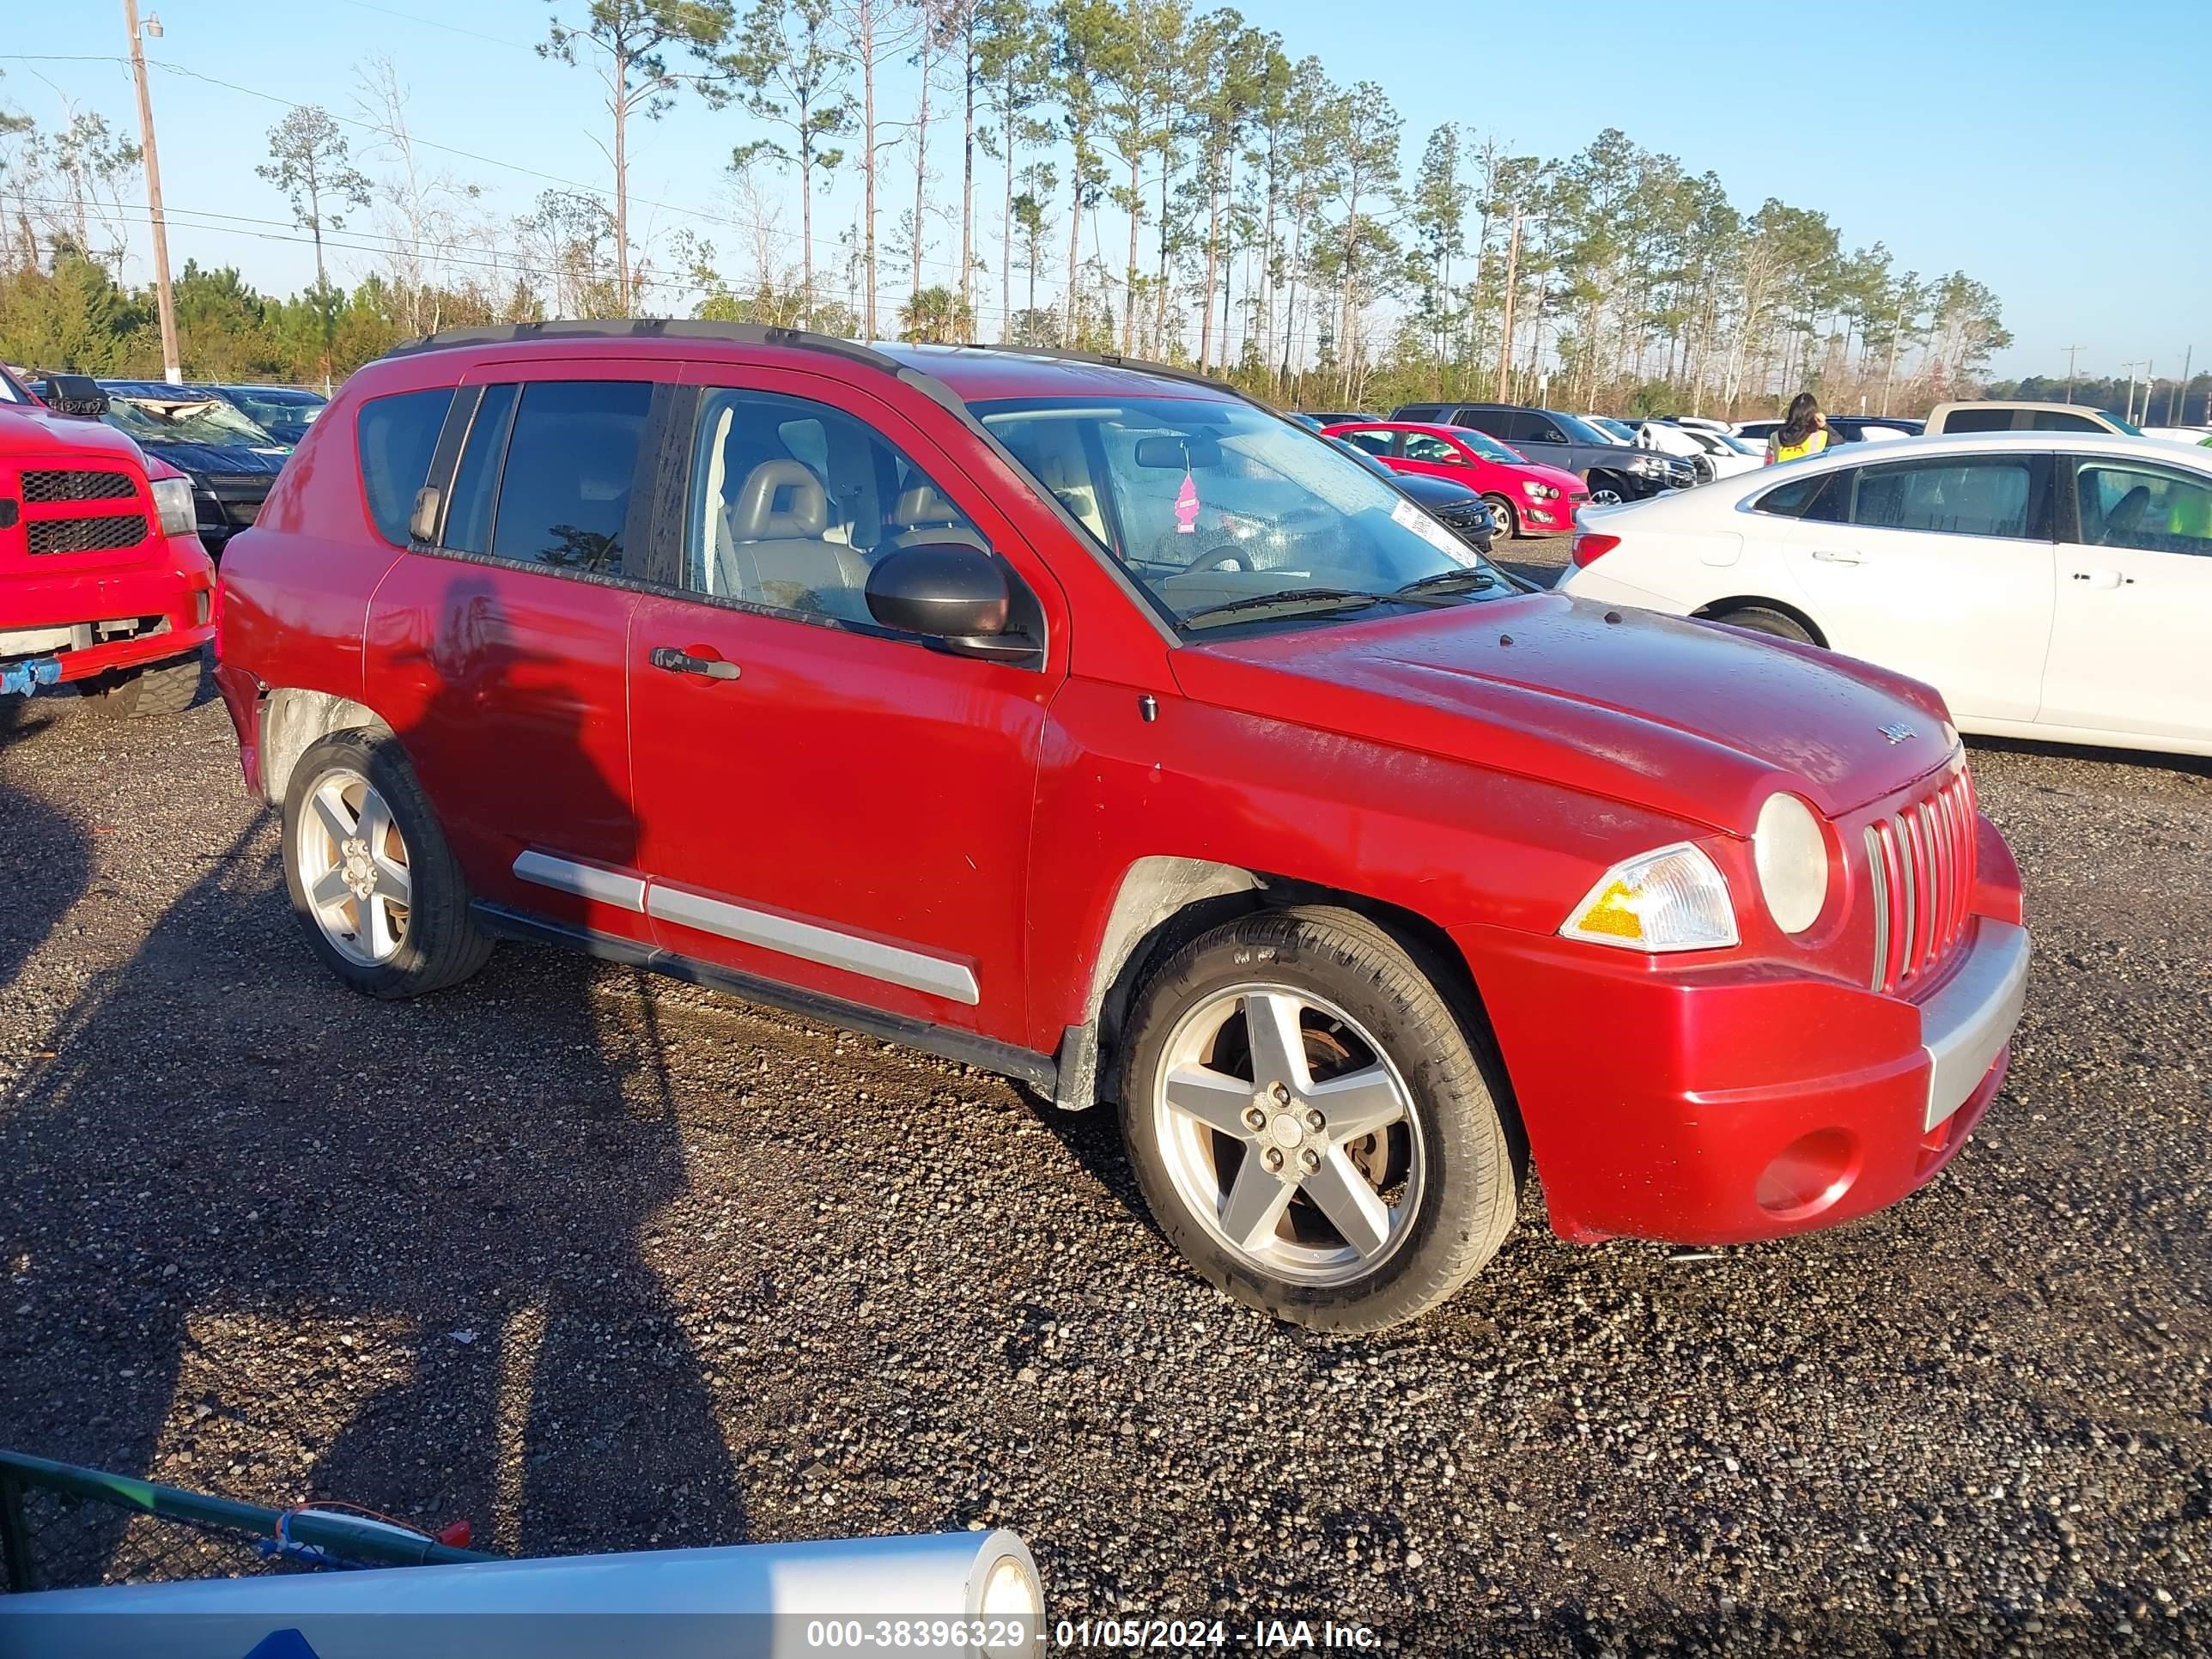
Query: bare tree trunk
(622,177)
(1074,247)
(1130,300)
(921,163)
(1160,294)
(864,35)
(1212,252)
(1506,323)
(806,223)
(1007,230)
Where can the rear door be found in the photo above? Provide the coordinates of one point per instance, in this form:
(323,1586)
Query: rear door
(826,802)
(1538,437)
(495,649)
(2134,597)
(1941,568)
(1437,458)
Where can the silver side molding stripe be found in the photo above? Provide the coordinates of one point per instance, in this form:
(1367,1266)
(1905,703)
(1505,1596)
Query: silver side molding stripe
(892,964)
(624,892)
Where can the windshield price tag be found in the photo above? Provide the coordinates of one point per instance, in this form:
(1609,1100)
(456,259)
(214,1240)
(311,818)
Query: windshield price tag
(1434,534)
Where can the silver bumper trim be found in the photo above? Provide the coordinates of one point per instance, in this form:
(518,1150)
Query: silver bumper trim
(1964,1025)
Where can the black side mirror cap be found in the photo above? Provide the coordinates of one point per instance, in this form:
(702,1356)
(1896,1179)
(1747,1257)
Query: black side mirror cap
(950,593)
(76,394)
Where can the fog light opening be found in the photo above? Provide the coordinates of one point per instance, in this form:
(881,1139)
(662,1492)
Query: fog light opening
(1809,1175)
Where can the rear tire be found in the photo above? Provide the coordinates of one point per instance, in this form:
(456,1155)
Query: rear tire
(375,886)
(161,688)
(1763,619)
(1381,1175)
(1508,521)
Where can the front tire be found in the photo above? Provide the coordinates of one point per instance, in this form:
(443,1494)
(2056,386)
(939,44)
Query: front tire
(1310,1124)
(161,688)
(372,880)
(1605,490)
(1508,521)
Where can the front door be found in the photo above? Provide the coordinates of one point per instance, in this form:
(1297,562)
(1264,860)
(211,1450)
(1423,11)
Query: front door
(1940,567)
(2128,647)
(496,653)
(823,801)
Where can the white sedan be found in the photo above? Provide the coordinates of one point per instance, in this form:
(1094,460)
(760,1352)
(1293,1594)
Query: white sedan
(2050,584)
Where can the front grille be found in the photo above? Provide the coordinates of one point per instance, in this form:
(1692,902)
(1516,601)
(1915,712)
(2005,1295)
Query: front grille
(42,486)
(1578,496)
(85,535)
(1921,861)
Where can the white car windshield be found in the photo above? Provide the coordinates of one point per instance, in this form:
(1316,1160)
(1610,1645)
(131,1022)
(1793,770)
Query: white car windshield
(1226,515)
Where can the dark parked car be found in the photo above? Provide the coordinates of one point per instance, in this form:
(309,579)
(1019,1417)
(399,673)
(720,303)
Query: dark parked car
(231,459)
(1554,438)
(284,412)
(1318,418)
(1463,511)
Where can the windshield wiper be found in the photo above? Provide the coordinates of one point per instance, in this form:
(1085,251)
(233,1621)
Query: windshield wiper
(1287,600)
(1444,583)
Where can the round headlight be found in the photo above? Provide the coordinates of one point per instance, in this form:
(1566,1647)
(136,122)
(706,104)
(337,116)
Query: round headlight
(1792,856)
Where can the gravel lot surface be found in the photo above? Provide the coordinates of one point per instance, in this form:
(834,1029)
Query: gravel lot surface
(600,1261)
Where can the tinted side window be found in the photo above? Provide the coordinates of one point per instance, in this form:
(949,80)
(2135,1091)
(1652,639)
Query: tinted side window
(565,490)
(2052,419)
(1495,422)
(1984,495)
(2154,511)
(1978,420)
(1420,412)
(1375,443)
(468,514)
(793,503)
(1542,431)
(1819,499)
(1421,446)
(395,436)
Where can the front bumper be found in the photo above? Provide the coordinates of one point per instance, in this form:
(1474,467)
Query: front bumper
(1725,1104)
(172,597)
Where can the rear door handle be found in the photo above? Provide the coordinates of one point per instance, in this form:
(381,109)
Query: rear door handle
(2099,578)
(1825,557)
(677,660)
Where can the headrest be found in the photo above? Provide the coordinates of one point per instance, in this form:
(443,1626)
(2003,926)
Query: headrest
(920,504)
(755,515)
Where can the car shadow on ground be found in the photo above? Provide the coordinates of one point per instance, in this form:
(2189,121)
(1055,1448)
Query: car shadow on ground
(323,1223)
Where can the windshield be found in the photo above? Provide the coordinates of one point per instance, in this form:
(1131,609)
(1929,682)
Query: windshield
(1578,430)
(1619,431)
(186,421)
(1489,448)
(1209,504)
(2125,424)
(1738,444)
(11,389)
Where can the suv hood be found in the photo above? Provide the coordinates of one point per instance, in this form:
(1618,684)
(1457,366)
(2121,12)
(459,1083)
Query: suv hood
(27,432)
(1695,720)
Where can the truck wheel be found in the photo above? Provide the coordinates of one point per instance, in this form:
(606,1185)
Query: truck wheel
(1761,619)
(371,877)
(162,688)
(1509,522)
(1310,1123)
(1605,489)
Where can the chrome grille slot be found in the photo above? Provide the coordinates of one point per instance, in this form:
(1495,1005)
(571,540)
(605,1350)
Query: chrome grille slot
(1920,869)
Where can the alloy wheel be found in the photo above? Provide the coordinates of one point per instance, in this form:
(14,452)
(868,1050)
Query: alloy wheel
(1605,498)
(1289,1133)
(355,868)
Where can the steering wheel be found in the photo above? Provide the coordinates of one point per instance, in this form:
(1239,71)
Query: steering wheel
(1224,557)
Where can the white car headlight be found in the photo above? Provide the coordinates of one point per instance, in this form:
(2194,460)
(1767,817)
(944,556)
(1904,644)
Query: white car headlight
(1673,898)
(172,505)
(1792,856)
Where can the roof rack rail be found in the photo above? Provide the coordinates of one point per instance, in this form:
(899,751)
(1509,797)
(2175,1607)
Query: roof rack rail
(1108,360)
(651,328)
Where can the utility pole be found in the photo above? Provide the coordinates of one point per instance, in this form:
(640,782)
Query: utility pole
(2150,383)
(1506,323)
(2070,351)
(171,369)
(2180,388)
(2131,369)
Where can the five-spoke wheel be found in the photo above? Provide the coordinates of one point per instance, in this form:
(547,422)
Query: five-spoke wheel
(354,865)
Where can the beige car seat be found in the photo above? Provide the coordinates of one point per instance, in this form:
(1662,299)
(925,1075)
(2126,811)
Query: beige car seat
(771,546)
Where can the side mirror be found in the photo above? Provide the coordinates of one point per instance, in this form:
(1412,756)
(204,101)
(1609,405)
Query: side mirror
(422,522)
(76,394)
(950,593)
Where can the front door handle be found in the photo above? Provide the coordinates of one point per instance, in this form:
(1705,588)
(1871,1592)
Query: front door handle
(2099,578)
(1826,557)
(676,660)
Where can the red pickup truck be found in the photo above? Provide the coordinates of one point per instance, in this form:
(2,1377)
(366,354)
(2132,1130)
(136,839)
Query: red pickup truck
(1091,723)
(103,583)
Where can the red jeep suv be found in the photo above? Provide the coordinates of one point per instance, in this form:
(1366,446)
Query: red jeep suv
(1089,722)
(103,582)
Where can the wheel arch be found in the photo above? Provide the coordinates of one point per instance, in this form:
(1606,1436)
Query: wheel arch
(294,719)
(1716,610)
(1163,903)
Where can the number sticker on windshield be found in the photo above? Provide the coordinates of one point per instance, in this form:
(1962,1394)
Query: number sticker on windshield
(1433,533)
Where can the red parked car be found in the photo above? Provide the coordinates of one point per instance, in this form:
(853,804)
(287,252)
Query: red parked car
(103,583)
(1529,498)
(1090,723)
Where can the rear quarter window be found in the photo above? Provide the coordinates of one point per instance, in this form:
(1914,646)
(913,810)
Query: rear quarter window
(395,436)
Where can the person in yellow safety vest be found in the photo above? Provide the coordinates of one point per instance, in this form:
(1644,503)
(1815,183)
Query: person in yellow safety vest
(1803,431)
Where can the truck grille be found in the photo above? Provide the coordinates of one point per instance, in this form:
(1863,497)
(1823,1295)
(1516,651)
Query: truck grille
(98,535)
(1921,861)
(45,486)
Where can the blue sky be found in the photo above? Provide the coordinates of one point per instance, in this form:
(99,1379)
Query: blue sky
(2046,148)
